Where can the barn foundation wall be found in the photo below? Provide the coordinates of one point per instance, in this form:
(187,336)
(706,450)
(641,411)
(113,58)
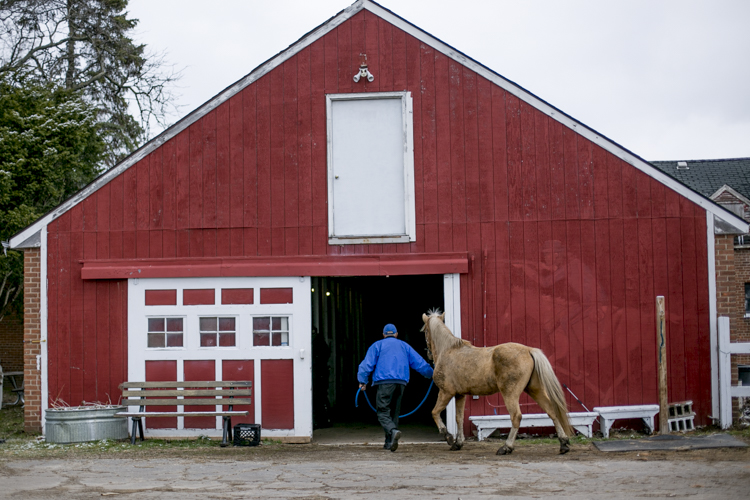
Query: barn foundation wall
(32,333)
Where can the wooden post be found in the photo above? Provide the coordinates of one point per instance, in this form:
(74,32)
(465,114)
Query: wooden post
(661,343)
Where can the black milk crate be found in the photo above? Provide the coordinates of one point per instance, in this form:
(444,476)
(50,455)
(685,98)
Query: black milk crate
(247,434)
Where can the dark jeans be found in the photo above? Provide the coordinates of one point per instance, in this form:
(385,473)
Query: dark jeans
(388,403)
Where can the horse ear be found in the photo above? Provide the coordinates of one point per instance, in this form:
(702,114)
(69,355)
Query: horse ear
(425,318)
(442,317)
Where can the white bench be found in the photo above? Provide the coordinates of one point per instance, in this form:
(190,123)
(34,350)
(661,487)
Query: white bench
(608,415)
(487,424)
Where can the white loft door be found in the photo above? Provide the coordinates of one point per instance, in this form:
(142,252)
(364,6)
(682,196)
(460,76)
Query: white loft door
(368,167)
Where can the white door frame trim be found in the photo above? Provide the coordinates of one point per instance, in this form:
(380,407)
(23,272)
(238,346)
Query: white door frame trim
(452,301)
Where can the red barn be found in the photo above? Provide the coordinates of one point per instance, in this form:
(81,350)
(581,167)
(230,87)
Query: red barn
(271,233)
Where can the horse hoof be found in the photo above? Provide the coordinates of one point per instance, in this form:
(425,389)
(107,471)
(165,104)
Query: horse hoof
(564,447)
(451,441)
(504,450)
(455,446)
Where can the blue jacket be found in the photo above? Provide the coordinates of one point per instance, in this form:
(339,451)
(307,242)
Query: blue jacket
(389,360)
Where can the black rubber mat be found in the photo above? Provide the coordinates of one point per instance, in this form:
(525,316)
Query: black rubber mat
(670,442)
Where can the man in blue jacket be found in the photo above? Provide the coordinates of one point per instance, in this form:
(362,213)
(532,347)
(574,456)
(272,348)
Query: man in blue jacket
(388,361)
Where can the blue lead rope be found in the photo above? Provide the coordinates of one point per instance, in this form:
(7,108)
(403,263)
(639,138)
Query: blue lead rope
(356,400)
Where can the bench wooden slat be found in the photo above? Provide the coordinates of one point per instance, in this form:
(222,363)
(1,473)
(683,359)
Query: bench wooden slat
(183,414)
(186,402)
(186,392)
(196,384)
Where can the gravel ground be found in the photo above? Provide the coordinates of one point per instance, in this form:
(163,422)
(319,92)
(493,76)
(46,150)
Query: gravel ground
(353,472)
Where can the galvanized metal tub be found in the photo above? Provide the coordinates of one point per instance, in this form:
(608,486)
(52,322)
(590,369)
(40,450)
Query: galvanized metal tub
(78,425)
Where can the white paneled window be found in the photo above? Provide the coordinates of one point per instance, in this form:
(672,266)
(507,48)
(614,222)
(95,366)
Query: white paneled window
(165,332)
(271,331)
(370,168)
(218,332)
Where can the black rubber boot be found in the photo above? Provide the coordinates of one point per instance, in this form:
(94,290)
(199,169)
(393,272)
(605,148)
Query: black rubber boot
(395,436)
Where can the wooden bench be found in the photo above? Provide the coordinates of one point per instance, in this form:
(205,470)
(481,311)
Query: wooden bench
(608,415)
(487,424)
(214,393)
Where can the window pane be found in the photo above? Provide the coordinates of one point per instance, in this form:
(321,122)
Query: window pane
(275,339)
(276,324)
(226,340)
(226,324)
(155,324)
(284,338)
(174,325)
(208,324)
(261,338)
(156,340)
(261,323)
(208,340)
(174,339)
(284,324)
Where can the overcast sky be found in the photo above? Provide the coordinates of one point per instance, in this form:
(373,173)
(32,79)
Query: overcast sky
(666,79)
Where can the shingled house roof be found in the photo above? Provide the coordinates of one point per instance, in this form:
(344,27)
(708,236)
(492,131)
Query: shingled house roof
(708,176)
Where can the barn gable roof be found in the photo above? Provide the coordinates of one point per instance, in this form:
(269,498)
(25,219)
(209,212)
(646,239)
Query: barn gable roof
(30,236)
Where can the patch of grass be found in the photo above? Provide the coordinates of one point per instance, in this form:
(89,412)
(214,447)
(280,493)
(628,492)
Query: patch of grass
(11,423)
(150,448)
(742,433)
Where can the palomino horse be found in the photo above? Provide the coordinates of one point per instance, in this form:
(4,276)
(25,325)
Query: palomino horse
(461,369)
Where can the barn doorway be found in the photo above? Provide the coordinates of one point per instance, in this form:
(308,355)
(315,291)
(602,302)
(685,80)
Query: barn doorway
(348,315)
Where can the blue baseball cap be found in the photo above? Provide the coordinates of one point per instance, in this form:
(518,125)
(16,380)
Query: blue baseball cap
(389,329)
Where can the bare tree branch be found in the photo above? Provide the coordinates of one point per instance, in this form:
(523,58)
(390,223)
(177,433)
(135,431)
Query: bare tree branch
(14,65)
(86,46)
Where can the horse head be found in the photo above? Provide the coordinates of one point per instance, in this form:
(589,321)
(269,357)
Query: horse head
(426,329)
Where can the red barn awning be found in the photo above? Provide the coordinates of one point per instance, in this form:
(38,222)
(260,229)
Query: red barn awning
(331,265)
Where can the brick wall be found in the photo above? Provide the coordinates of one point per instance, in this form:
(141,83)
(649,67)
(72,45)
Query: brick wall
(31,336)
(741,330)
(732,272)
(11,343)
(726,296)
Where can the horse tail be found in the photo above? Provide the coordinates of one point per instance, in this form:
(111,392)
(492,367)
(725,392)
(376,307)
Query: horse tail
(552,387)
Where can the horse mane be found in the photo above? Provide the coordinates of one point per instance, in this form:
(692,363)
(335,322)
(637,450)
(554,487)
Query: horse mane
(442,337)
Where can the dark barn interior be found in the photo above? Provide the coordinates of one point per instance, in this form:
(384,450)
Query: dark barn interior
(348,315)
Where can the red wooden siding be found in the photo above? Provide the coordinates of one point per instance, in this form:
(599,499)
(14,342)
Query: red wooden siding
(194,371)
(568,245)
(161,297)
(240,369)
(197,297)
(276,295)
(277,393)
(161,371)
(236,295)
